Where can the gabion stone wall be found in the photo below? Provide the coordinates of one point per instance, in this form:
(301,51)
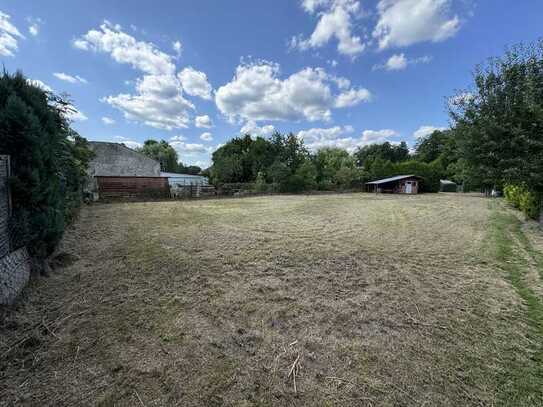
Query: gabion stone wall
(14,267)
(14,275)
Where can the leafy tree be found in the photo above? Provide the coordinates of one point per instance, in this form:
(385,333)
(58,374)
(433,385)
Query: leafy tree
(384,151)
(243,158)
(191,169)
(439,144)
(308,173)
(499,125)
(162,152)
(48,162)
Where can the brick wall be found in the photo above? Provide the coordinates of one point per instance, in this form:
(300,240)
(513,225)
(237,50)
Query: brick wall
(14,267)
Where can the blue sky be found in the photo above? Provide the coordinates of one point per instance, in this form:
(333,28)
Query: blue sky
(335,72)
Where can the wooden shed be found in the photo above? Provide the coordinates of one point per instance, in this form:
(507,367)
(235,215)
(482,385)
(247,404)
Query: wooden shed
(400,184)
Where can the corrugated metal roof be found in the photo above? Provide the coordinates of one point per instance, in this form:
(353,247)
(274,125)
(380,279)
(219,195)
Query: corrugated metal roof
(391,179)
(447,182)
(175,175)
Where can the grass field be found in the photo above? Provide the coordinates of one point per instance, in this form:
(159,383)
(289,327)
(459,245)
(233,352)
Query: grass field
(329,300)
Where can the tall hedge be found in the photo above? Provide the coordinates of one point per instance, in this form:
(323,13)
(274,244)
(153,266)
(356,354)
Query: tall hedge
(48,163)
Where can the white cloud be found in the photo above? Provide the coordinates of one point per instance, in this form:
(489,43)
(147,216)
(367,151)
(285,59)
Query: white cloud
(195,83)
(34,29)
(34,25)
(207,136)
(398,62)
(69,78)
(257,93)
(40,84)
(190,148)
(178,138)
(178,48)
(338,137)
(108,121)
(125,49)
(203,122)
(9,35)
(76,115)
(424,131)
(352,97)
(312,5)
(158,101)
(378,136)
(132,144)
(128,142)
(405,22)
(256,131)
(335,21)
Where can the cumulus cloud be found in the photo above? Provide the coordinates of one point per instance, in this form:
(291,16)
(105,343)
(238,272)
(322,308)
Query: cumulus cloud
(257,93)
(203,122)
(69,78)
(108,121)
(339,137)
(159,100)
(158,103)
(190,148)
(9,35)
(335,22)
(399,62)
(256,131)
(424,131)
(207,136)
(195,83)
(125,49)
(406,22)
(352,97)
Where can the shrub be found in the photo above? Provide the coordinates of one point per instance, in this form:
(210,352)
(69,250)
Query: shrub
(48,163)
(260,183)
(529,202)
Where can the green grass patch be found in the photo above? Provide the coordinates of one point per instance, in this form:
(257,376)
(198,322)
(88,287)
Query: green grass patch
(522,380)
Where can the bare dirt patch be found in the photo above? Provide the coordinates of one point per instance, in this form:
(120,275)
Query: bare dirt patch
(344,300)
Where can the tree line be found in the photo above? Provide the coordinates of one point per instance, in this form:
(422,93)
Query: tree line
(495,142)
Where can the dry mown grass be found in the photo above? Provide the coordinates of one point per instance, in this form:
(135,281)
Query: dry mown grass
(363,299)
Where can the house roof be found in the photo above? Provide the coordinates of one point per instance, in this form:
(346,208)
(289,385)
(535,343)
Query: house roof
(392,179)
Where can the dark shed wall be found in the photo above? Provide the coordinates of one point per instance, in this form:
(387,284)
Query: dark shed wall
(132,187)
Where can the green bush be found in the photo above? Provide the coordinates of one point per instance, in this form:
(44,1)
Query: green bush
(260,183)
(529,202)
(48,163)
